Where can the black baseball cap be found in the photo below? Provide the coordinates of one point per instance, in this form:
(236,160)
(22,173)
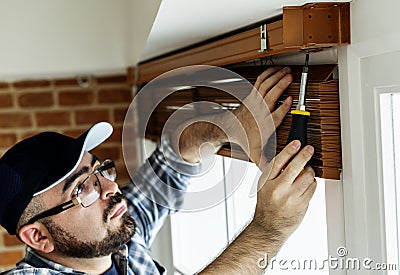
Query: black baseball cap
(38,163)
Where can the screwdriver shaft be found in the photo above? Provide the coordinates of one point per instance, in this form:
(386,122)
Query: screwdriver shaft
(303,86)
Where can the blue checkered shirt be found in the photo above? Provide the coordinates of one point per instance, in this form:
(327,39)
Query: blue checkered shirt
(156,191)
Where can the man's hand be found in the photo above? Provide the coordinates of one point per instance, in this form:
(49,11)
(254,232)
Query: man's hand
(257,110)
(281,205)
(250,126)
(283,200)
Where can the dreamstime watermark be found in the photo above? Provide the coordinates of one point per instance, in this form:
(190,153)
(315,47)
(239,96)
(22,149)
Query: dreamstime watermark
(339,262)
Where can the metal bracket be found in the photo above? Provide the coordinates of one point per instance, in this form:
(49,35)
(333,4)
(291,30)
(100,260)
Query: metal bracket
(263,38)
(316,25)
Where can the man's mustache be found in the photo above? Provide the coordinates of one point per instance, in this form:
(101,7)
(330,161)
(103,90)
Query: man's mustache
(113,201)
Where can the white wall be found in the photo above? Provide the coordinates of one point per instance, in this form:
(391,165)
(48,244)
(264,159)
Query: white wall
(373,20)
(57,37)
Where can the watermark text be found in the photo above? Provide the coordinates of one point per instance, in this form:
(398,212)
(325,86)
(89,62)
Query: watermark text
(339,262)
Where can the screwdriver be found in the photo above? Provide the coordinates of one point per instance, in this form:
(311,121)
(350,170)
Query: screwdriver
(300,116)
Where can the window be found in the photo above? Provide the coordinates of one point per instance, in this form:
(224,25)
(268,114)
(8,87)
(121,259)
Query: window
(390,138)
(197,236)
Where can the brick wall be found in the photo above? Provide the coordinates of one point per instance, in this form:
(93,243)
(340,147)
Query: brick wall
(62,105)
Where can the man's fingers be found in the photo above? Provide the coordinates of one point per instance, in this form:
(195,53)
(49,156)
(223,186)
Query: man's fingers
(298,163)
(279,114)
(281,160)
(304,180)
(307,195)
(267,73)
(265,84)
(275,92)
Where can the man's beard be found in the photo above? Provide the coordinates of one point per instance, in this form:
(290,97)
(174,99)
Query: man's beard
(67,243)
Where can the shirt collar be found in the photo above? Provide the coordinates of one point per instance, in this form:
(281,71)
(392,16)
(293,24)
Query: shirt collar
(34,259)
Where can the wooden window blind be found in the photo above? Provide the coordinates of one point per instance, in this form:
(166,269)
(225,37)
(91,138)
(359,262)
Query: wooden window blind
(322,101)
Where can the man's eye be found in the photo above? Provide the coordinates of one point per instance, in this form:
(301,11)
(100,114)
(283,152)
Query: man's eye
(78,189)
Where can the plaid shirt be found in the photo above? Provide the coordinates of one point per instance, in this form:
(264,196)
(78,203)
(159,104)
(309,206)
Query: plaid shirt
(156,191)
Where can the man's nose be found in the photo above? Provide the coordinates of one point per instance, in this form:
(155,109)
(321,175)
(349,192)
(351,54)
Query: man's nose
(108,187)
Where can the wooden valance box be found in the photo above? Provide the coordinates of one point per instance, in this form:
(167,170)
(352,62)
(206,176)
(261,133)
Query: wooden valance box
(311,26)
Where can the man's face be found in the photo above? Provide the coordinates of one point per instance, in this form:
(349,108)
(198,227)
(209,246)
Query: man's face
(95,231)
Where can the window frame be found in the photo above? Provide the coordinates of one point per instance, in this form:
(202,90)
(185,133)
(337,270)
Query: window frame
(361,151)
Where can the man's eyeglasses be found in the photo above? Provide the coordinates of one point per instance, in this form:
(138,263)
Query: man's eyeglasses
(86,193)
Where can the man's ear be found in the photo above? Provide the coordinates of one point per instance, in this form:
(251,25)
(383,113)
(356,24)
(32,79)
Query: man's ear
(36,236)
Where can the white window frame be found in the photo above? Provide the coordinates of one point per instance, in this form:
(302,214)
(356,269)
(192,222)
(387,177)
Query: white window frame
(362,165)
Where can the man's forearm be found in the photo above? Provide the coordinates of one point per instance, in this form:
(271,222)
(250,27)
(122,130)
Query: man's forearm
(248,252)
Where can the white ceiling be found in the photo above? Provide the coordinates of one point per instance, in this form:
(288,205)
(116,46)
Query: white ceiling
(181,23)
(63,37)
